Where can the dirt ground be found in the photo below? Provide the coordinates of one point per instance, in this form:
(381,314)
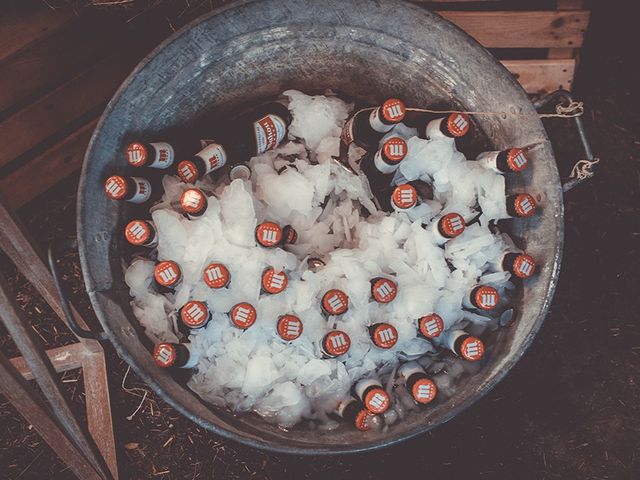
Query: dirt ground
(569,409)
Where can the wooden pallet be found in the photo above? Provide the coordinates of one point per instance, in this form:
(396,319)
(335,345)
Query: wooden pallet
(58,71)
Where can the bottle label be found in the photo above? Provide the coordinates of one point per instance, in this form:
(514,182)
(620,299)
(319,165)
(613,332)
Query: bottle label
(488,160)
(376,123)
(164,155)
(347,132)
(143,190)
(270,131)
(381,165)
(214,157)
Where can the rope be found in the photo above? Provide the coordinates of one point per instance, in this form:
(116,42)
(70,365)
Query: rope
(583,169)
(574,109)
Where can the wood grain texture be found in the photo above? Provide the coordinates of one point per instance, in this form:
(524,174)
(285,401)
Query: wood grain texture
(67,357)
(544,75)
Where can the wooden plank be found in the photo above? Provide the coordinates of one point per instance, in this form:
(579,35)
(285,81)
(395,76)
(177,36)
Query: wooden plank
(96,389)
(44,171)
(523,29)
(62,358)
(19,26)
(544,75)
(565,52)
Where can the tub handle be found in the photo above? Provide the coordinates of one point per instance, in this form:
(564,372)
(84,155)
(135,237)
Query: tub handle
(54,248)
(582,170)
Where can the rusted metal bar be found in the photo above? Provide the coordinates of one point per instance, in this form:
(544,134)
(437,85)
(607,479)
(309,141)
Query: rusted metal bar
(26,401)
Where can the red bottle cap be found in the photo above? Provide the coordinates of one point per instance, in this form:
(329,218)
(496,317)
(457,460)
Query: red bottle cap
(452,225)
(395,149)
(517,160)
(136,154)
(336,343)
(274,282)
(384,335)
(393,110)
(472,349)
(524,266)
(243,315)
(167,273)
(383,290)
(424,390)
(377,400)
(431,326)
(404,196)
(194,314)
(486,297)
(216,275)
(458,124)
(187,171)
(115,187)
(289,327)
(193,200)
(137,232)
(335,302)
(524,205)
(362,420)
(268,234)
(164,354)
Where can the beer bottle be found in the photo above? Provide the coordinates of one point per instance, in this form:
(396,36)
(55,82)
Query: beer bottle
(404,198)
(176,355)
(207,160)
(383,290)
(132,189)
(465,346)
(482,297)
(335,302)
(521,205)
(417,382)
(431,126)
(289,327)
(216,275)
(446,227)
(367,127)
(141,233)
(354,413)
(521,265)
(370,392)
(334,344)
(193,202)
(269,234)
(430,326)
(167,276)
(383,335)
(241,171)
(504,161)
(274,282)
(193,315)
(243,315)
(315,264)
(161,155)
(257,131)
(379,169)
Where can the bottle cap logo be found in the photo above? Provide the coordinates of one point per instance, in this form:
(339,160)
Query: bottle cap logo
(336,343)
(472,349)
(424,390)
(115,187)
(377,400)
(193,200)
(395,149)
(383,290)
(136,154)
(137,232)
(524,205)
(187,171)
(384,335)
(167,273)
(486,297)
(393,110)
(274,282)
(524,266)
(404,196)
(335,302)
(362,420)
(458,124)
(517,160)
(452,225)
(164,354)
(194,314)
(289,327)
(216,275)
(268,234)
(243,315)
(431,326)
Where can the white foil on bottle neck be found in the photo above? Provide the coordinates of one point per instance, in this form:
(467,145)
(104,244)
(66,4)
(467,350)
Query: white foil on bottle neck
(489,160)
(143,190)
(362,386)
(164,156)
(376,123)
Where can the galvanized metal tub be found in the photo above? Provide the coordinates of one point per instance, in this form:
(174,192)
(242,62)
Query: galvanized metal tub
(366,49)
